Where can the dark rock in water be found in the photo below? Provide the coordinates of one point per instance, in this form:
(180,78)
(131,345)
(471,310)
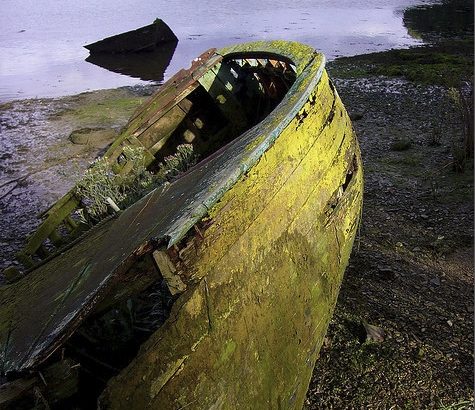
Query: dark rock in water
(142,39)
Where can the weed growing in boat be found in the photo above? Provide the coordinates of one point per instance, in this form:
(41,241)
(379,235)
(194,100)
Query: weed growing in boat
(101,182)
(98,183)
(173,165)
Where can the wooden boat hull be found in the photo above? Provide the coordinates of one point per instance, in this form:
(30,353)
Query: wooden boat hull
(254,239)
(142,39)
(267,273)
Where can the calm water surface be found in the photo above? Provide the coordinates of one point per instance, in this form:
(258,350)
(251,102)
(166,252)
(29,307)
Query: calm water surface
(41,42)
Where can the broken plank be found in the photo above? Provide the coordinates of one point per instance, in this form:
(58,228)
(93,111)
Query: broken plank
(168,271)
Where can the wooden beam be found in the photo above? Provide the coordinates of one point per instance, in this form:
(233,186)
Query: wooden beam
(222,93)
(169,272)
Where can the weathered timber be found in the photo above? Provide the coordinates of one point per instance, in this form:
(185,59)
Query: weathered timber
(11,393)
(55,218)
(225,99)
(253,241)
(232,341)
(169,272)
(140,127)
(54,384)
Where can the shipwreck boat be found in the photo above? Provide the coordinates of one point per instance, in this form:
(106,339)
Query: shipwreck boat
(215,289)
(145,38)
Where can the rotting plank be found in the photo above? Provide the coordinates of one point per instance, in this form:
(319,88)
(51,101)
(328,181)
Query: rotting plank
(47,227)
(224,98)
(235,326)
(15,390)
(174,95)
(159,133)
(150,105)
(166,100)
(169,272)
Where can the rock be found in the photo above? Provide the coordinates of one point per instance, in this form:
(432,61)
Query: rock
(435,281)
(374,333)
(356,116)
(386,272)
(92,136)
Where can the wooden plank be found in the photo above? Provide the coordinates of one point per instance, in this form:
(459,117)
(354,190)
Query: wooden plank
(70,223)
(226,101)
(178,77)
(179,95)
(56,238)
(157,135)
(169,272)
(174,93)
(15,390)
(53,220)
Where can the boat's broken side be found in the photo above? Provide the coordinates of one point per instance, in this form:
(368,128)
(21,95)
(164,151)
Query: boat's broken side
(253,241)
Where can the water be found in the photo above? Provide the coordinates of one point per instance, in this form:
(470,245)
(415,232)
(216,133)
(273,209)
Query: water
(41,42)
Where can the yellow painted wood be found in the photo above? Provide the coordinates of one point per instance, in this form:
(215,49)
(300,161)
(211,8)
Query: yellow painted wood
(266,277)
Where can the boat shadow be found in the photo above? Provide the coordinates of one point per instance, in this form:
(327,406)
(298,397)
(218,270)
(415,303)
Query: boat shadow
(146,65)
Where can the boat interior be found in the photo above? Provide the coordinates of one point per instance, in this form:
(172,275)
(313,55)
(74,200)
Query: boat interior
(228,100)
(204,107)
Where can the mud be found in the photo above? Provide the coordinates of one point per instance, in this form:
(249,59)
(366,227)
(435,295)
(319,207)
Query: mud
(39,161)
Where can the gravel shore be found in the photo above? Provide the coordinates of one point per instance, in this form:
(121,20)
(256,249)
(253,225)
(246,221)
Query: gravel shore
(411,272)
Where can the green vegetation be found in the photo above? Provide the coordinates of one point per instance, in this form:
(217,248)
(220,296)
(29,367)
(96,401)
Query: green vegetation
(445,64)
(100,109)
(101,181)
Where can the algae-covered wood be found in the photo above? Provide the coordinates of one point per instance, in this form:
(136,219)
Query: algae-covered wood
(269,270)
(281,205)
(58,294)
